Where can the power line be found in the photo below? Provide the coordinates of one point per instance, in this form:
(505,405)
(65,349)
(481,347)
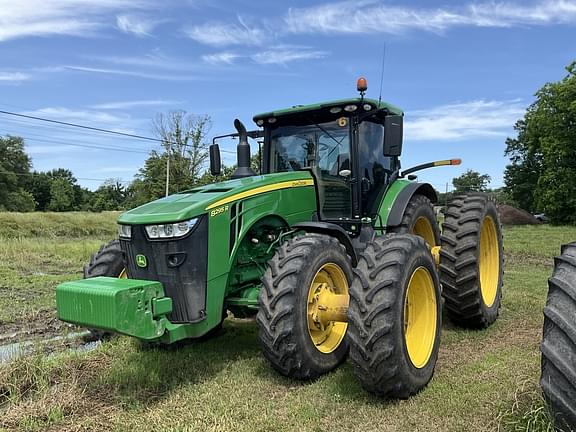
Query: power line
(96,129)
(59,131)
(79,126)
(95,146)
(54,178)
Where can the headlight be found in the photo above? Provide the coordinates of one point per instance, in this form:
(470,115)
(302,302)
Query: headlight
(124,231)
(172,230)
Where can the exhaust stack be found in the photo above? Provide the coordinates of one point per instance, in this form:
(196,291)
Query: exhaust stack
(243,153)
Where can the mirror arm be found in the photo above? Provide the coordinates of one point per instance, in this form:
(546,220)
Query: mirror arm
(430,165)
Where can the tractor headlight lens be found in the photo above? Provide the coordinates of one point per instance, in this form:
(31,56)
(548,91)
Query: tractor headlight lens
(124,231)
(172,230)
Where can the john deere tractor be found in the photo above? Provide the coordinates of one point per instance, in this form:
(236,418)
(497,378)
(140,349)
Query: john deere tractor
(332,247)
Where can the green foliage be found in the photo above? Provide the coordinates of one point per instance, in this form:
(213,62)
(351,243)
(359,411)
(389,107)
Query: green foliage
(183,138)
(61,195)
(20,201)
(14,167)
(110,196)
(471,181)
(542,173)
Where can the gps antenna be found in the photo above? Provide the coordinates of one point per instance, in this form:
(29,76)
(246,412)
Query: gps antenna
(382,73)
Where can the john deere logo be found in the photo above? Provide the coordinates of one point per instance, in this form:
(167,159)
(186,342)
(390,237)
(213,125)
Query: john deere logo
(141,261)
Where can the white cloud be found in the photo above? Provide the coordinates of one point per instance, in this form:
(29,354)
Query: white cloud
(137,74)
(283,55)
(13,76)
(154,59)
(220,58)
(375,17)
(135,104)
(21,18)
(135,25)
(463,120)
(221,34)
(78,116)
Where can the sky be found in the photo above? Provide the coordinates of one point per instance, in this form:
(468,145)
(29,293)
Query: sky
(463,72)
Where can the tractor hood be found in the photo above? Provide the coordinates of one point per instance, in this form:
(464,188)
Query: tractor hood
(195,202)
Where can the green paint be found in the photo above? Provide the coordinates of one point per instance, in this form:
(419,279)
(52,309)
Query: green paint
(189,204)
(298,109)
(141,261)
(129,306)
(242,233)
(391,194)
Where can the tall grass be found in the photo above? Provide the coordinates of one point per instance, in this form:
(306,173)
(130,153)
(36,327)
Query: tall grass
(57,225)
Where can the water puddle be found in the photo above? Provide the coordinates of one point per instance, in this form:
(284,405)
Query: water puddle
(71,341)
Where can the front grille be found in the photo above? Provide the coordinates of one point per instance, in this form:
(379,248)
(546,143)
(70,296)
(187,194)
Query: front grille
(180,265)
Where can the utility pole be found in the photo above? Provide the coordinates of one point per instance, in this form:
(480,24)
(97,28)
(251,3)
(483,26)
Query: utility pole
(168,167)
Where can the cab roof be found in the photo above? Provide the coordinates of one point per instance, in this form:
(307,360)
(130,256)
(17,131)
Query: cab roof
(297,109)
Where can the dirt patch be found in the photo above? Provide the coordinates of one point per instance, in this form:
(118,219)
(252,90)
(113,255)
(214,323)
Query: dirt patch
(514,216)
(42,324)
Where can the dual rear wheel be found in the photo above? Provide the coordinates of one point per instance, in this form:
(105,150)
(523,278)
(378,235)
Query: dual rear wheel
(386,312)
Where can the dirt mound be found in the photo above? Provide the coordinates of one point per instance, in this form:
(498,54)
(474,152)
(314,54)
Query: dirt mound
(514,216)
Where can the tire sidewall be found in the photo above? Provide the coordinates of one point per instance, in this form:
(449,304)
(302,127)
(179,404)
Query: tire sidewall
(427,212)
(419,376)
(314,261)
(491,312)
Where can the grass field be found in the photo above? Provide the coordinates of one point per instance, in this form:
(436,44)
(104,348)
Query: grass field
(484,380)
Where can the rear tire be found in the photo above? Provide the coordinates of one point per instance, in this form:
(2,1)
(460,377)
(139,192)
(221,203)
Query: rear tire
(558,347)
(283,313)
(108,261)
(393,354)
(472,261)
(419,219)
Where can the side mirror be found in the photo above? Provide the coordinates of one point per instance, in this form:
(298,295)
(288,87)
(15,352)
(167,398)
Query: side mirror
(393,129)
(215,163)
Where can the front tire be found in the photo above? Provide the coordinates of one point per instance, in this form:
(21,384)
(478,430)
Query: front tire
(108,261)
(558,347)
(290,339)
(395,316)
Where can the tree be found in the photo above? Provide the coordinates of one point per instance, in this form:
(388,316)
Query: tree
(471,181)
(183,139)
(542,173)
(111,195)
(14,169)
(61,195)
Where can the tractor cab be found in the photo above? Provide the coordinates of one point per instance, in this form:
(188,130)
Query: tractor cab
(351,147)
(346,147)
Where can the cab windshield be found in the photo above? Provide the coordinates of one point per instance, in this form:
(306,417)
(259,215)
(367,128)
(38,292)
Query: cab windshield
(321,146)
(324,148)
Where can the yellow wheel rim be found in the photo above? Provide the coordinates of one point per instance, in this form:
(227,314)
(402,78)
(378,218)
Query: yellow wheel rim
(489,261)
(420,317)
(123,274)
(328,290)
(423,228)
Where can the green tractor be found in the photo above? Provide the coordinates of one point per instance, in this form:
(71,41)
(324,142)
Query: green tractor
(333,248)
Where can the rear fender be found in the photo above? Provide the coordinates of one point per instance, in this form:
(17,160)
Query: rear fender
(403,198)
